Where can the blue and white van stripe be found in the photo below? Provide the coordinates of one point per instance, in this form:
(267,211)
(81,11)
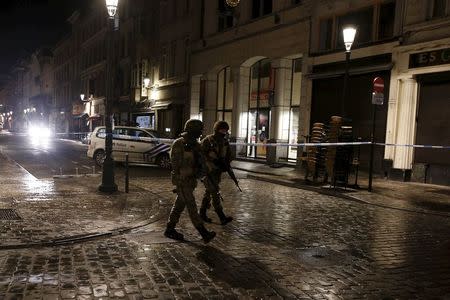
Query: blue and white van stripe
(157,150)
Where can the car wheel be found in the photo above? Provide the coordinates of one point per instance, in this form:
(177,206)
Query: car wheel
(99,157)
(163,161)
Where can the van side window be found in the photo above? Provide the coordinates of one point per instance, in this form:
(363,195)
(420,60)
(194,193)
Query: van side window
(101,133)
(120,133)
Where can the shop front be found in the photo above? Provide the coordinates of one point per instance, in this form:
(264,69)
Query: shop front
(357,109)
(432,165)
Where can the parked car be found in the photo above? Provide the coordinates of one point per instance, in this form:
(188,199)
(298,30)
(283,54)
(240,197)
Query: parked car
(142,145)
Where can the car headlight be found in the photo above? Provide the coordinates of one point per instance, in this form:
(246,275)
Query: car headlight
(36,131)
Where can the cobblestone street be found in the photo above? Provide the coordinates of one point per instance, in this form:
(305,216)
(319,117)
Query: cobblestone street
(284,243)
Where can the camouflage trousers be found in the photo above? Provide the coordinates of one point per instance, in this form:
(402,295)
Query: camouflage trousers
(212,191)
(185,198)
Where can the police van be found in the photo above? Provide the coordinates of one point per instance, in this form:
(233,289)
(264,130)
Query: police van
(143,146)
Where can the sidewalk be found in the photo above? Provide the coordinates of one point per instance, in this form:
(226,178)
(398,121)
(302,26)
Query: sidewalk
(59,211)
(407,196)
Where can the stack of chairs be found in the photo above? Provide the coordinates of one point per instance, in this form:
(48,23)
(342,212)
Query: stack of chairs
(332,137)
(316,155)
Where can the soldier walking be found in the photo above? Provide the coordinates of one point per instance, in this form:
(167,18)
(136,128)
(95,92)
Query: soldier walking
(187,167)
(217,153)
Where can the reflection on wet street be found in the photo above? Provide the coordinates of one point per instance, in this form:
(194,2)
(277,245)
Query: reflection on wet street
(284,243)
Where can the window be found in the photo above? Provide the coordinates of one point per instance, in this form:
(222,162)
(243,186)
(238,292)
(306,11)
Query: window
(325,35)
(202,95)
(439,8)
(225,16)
(330,28)
(225,95)
(163,64)
(261,8)
(360,19)
(387,16)
(173,56)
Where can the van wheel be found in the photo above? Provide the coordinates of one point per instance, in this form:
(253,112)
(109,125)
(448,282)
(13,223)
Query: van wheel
(99,157)
(163,161)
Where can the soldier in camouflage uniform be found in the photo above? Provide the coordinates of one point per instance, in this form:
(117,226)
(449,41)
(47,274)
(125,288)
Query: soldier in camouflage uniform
(187,167)
(217,153)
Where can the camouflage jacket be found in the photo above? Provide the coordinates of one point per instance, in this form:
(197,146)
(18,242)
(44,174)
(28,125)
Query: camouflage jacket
(185,156)
(216,151)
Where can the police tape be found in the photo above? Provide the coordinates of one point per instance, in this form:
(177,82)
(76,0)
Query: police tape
(413,146)
(169,141)
(301,144)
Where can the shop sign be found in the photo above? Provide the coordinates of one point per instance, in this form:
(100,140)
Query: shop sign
(429,58)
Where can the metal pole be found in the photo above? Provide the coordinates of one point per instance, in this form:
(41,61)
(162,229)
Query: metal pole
(108,185)
(372,147)
(127,178)
(346,76)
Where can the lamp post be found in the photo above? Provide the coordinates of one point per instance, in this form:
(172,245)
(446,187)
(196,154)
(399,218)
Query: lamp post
(108,185)
(349,33)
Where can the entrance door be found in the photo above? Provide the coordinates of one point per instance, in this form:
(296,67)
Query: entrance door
(433,126)
(258,131)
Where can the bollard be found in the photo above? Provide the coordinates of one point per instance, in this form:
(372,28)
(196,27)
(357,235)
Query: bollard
(126,173)
(76,171)
(60,171)
(93,170)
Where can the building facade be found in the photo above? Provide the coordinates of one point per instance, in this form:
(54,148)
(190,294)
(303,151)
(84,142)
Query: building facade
(247,69)
(419,105)
(269,68)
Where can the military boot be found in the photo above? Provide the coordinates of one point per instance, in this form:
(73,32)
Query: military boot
(204,216)
(224,220)
(171,233)
(207,236)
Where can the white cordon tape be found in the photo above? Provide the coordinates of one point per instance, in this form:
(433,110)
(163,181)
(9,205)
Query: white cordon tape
(301,144)
(413,146)
(287,144)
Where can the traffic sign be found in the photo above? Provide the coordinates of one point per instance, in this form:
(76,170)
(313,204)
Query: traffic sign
(378,85)
(377,98)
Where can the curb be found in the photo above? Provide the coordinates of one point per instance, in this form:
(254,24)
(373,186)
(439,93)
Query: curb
(323,191)
(163,209)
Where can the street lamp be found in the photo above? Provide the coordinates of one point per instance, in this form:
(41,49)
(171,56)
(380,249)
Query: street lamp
(108,185)
(82,97)
(232,3)
(349,33)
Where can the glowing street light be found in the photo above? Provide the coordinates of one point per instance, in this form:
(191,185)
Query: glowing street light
(82,97)
(349,33)
(111,6)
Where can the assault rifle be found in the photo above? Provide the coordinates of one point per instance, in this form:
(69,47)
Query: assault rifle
(226,167)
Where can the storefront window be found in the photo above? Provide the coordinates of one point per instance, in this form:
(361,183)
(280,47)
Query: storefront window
(224,95)
(261,96)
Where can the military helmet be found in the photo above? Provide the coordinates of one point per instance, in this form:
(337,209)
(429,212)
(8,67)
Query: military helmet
(219,125)
(193,125)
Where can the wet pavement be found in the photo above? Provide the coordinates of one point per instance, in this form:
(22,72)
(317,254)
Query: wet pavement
(285,243)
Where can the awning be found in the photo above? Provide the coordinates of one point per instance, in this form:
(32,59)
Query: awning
(352,71)
(161,105)
(95,116)
(79,116)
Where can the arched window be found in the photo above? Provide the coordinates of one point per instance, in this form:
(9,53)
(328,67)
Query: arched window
(224,95)
(262,86)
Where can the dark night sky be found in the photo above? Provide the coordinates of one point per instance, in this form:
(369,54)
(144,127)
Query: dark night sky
(28,24)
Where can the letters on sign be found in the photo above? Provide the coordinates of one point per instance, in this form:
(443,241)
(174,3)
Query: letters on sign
(430,58)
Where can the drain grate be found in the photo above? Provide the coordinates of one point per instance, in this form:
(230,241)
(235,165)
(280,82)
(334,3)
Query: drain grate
(9,214)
